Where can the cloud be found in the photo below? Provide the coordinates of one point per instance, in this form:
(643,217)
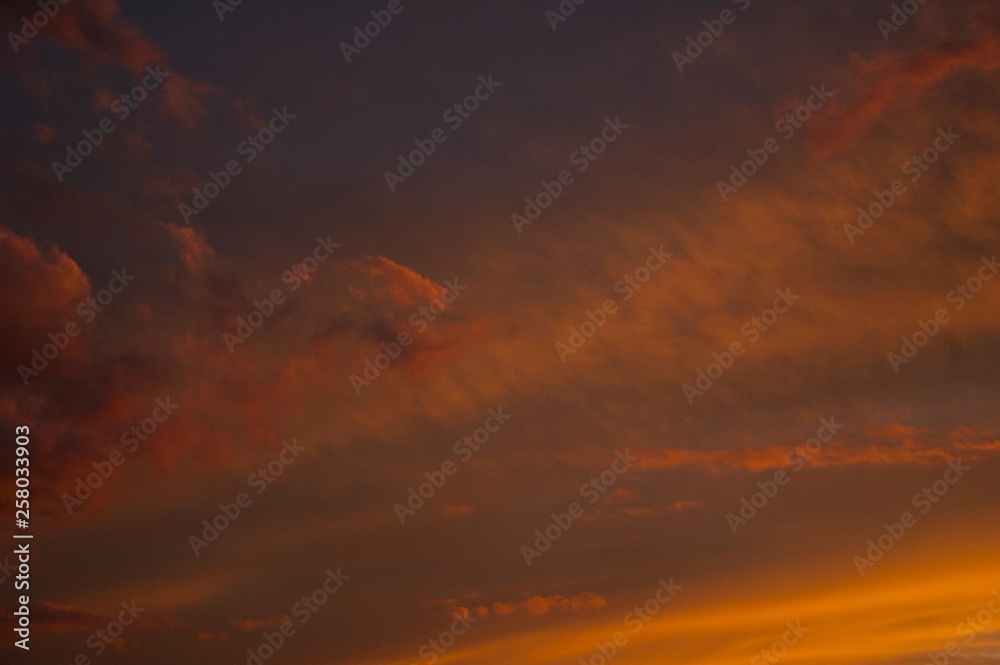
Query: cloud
(869,88)
(186,100)
(259,624)
(532,606)
(92,389)
(889,619)
(40,289)
(387,284)
(628,503)
(99,29)
(387,299)
(64,618)
(898,445)
(539,605)
(102,35)
(621,495)
(192,246)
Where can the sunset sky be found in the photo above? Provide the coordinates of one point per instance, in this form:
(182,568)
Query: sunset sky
(539,333)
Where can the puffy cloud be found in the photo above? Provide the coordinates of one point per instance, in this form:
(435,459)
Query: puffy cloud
(100,33)
(40,290)
(99,30)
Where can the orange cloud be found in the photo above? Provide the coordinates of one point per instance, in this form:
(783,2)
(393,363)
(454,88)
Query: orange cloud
(99,29)
(533,606)
(902,445)
(391,299)
(39,292)
(103,35)
(873,86)
(192,245)
(538,605)
(258,624)
(186,99)
(392,283)
(620,495)
(64,618)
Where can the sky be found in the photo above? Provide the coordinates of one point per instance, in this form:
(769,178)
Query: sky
(503,332)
